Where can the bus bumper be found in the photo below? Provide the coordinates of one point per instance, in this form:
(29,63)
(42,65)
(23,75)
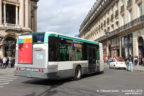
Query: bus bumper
(41,75)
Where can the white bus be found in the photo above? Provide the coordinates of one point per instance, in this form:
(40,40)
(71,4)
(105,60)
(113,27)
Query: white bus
(55,56)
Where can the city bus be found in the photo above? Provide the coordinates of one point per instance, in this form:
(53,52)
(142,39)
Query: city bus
(50,55)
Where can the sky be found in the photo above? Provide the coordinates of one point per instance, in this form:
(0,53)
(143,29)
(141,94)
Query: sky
(62,16)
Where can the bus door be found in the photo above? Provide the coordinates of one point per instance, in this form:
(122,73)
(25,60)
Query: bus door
(92,59)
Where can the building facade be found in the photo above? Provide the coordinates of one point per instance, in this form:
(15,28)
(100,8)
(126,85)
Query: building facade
(16,17)
(118,24)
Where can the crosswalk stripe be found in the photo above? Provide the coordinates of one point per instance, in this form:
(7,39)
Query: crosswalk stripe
(4,83)
(5,80)
(6,76)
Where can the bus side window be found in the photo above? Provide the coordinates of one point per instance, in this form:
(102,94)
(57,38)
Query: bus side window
(53,49)
(84,52)
(65,49)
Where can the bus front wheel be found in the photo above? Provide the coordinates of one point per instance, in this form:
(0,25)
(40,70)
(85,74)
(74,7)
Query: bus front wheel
(77,73)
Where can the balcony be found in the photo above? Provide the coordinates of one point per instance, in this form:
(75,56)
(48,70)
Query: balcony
(122,8)
(125,27)
(129,3)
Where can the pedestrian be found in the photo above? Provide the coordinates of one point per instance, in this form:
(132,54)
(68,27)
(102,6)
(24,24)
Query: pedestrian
(135,60)
(7,61)
(1,63)
(4,62)
(13,62)
(127,62)
(143,61)
(130,63)
(140,60)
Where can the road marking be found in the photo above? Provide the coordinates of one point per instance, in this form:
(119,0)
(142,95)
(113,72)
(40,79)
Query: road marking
(4,83)
(1,86)
(6,76)
(5,80)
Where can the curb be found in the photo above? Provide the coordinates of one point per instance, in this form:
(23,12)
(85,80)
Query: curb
(139,70)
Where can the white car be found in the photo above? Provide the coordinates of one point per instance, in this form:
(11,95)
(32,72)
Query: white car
(117,63)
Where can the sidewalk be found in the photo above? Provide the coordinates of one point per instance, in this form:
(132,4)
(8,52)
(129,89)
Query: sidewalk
(6,70)
(139,68)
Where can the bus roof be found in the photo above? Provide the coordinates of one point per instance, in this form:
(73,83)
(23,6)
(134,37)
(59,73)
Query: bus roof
(47,34)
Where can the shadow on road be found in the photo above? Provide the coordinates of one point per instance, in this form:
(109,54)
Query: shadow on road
(53,84)
(47,82)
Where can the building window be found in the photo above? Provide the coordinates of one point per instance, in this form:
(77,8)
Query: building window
(10,14)
(123,20)
(127,44)
(139,9)
(117,5)
(130,15)
(122,2)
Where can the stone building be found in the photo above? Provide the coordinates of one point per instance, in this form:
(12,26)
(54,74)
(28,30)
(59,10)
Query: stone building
(118,24)
(16,17)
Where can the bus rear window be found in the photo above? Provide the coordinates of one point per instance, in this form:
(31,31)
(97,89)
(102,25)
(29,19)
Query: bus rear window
(38,38)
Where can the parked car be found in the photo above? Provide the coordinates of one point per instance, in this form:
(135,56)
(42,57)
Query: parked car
(117,63)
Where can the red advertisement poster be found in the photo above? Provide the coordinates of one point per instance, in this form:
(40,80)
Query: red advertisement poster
(25,53)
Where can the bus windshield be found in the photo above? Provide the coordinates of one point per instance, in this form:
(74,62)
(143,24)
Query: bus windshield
(38,38)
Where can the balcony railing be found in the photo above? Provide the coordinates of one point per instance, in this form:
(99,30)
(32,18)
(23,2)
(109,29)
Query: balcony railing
(126,26)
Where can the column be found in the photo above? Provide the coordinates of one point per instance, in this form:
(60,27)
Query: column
(0,12)
(135,44)
(120,41)
(134,10)
(21,13)
(17,14)
(27,13)
(35,19)
(142,7)
(4,10)
(107,48)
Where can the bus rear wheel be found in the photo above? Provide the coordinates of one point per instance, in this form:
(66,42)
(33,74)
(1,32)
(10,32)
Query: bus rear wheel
(77,73)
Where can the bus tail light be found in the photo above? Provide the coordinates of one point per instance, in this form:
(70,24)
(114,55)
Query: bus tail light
(19,68)
(39,70)
(42,70)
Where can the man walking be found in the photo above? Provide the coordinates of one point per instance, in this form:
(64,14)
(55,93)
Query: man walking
(4,62)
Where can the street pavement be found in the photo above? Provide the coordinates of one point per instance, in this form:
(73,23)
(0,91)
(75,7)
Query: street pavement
(139,68)
(6,76)
(111,83)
